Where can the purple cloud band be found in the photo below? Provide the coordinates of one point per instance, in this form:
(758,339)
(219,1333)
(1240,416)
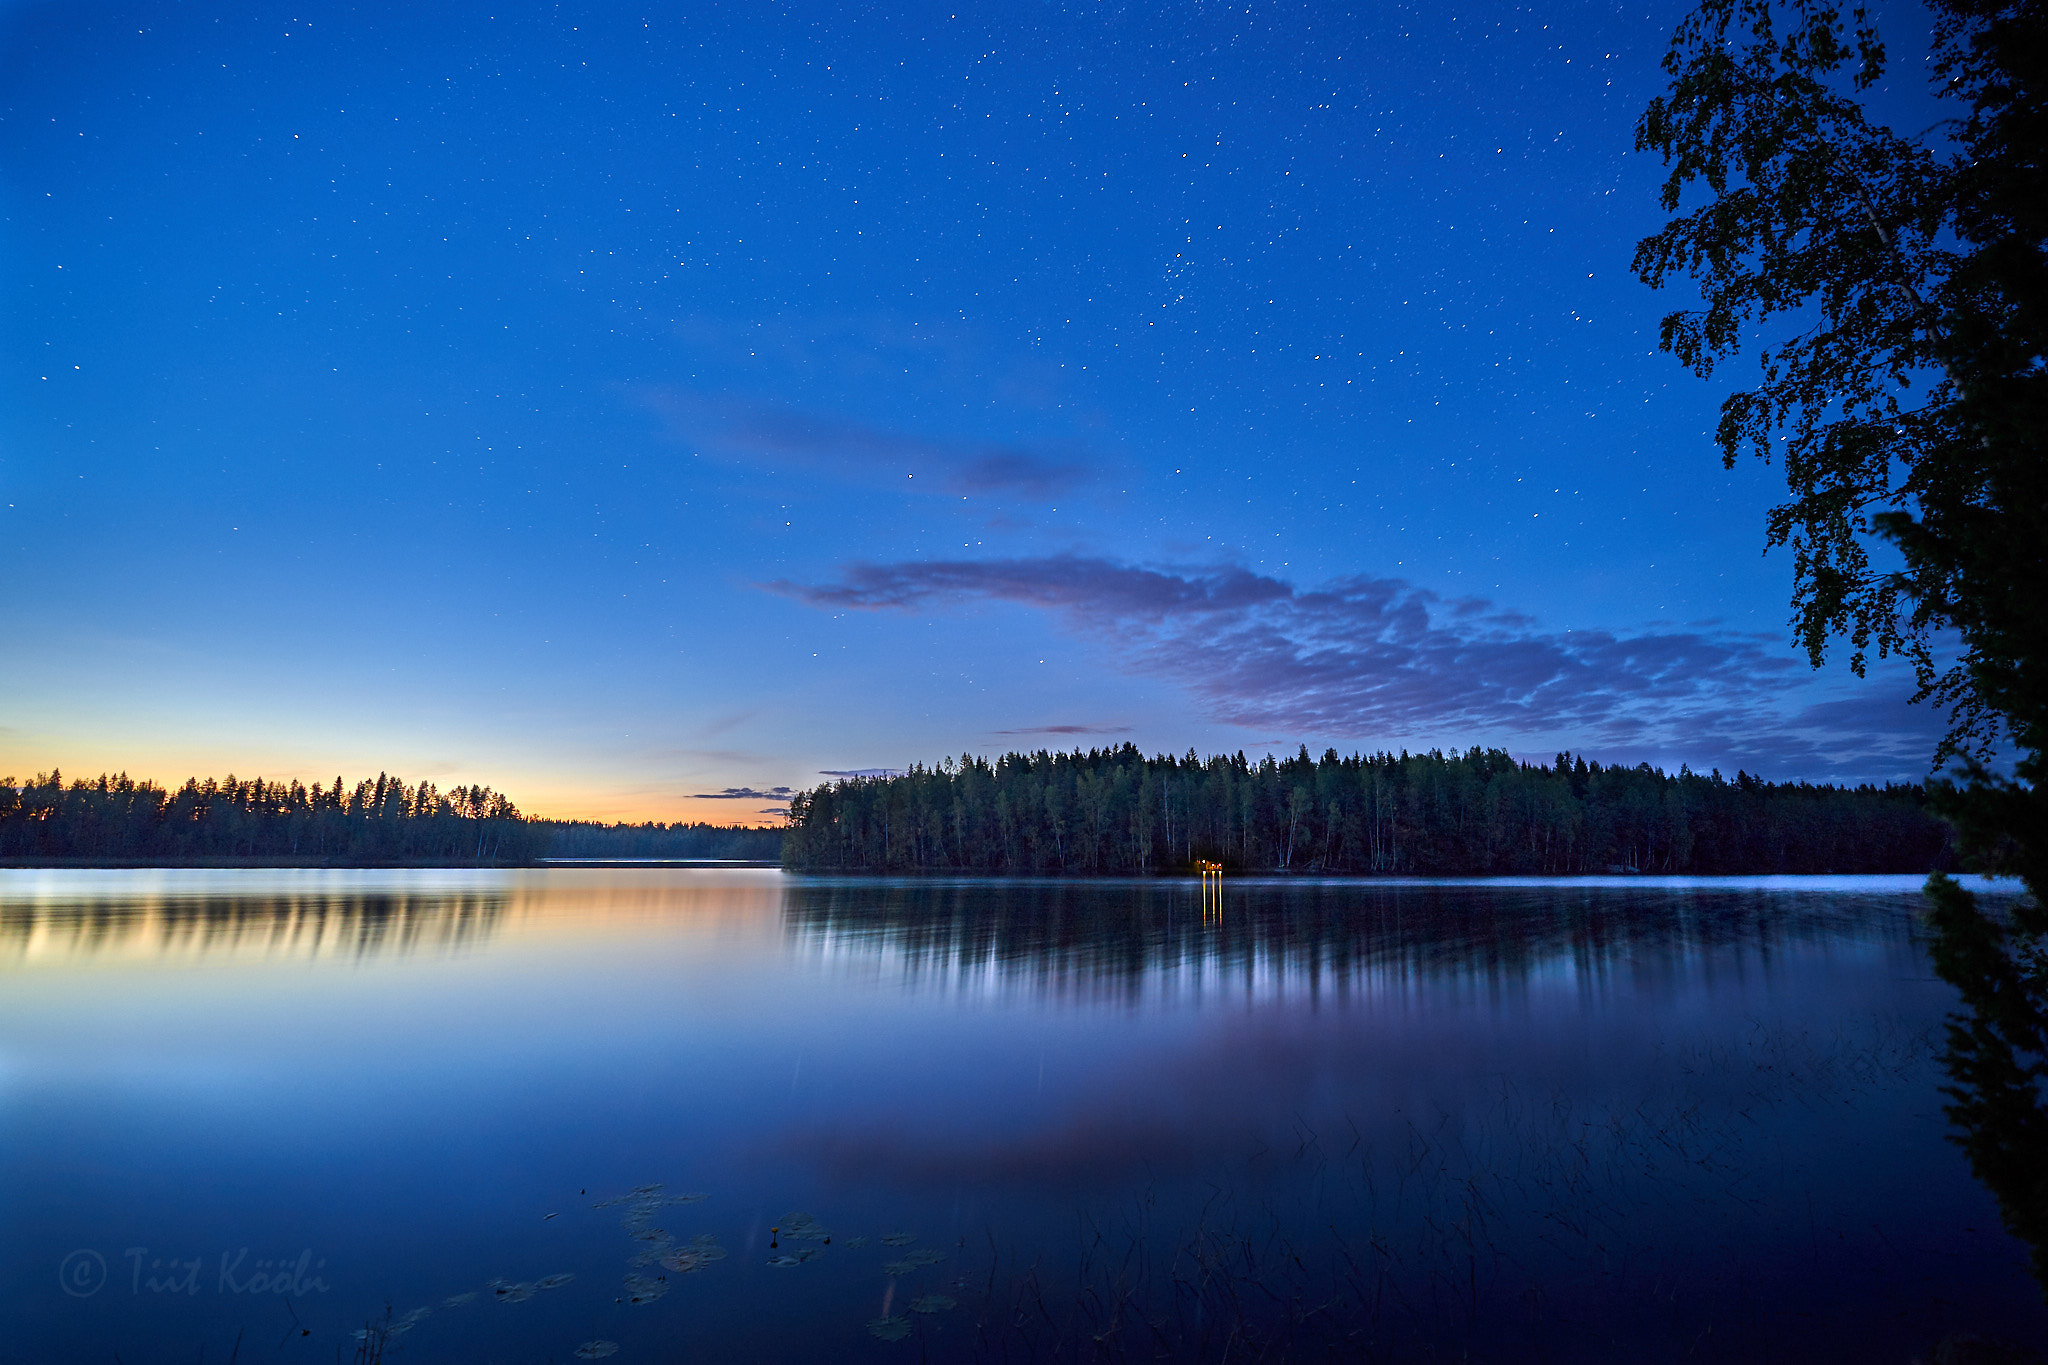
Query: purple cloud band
(1364,659)
(1067,730)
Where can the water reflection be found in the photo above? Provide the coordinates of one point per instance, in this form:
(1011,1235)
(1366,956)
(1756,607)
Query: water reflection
(1144,941)
(1997,1054)
(70,920)
(1342,1121)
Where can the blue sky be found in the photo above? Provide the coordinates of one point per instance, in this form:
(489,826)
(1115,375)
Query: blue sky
(621,404)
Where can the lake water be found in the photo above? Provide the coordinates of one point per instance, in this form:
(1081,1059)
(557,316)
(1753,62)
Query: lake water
(508,1116)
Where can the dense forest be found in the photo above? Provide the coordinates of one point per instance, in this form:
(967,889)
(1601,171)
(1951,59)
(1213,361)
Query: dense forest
(1116,812)
(1104,812)
(586,839)
(116,819)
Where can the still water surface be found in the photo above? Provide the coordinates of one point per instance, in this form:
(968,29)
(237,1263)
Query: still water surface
(1511,1120)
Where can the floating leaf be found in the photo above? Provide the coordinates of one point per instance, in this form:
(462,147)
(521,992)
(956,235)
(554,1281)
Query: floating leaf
(899,1239)
(923,1256)
(855,1242)
(796,1256)
(639,1194)
(644,1289)
(597,1350)
(459,1300)
(804,1228)
(507,1292)
(890,1329)
(931,1303)
(693,1258)
(553,1281)
(649,1255)
(693,1197)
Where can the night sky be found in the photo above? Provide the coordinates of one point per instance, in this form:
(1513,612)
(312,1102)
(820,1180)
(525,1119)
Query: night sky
(620,404)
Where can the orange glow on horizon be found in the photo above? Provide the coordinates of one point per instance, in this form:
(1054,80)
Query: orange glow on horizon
(538,795)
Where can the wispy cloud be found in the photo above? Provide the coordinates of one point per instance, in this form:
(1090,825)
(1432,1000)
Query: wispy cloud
(861,772)
(1365,659)
(1067,730)
(762,432)
(744,794)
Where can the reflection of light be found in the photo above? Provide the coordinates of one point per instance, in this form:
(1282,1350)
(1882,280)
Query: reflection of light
(98,918)
(189,928)
(1302,941)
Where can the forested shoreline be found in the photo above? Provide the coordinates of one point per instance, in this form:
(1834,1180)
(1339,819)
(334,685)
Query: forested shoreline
(114,819)
(1108,812)
(1116,812)
(652,839)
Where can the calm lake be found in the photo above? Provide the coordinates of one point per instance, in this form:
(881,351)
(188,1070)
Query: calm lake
(515,1116)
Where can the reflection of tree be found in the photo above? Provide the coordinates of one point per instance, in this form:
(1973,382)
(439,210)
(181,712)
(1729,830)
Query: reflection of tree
(310,925)
(1298,939)
(1997,1053)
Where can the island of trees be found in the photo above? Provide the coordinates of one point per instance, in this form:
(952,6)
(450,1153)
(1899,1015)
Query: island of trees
(113,820)
(1116,812)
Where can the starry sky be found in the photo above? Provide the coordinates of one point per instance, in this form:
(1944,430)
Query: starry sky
(648,410)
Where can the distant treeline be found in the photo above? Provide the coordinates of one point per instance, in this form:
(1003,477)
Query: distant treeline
(376,821)
(586,839)
(116,819)
(1116,812)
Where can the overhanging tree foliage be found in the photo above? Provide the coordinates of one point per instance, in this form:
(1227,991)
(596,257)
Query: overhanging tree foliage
(1905,391)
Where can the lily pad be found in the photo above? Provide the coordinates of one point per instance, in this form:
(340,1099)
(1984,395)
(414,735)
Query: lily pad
(931,1303)
(692,1258)
(797,1256)
(644,1288)
(855,1242)
(921,1257)
(899,1239)
(802,1227)
(459,1300)
(597,1350)
(507,1292)
(553,1281)
(890,1329)
(650,1254)
(639,1194)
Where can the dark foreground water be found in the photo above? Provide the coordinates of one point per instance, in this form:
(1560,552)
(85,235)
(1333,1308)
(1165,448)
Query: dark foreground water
(518,1116)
